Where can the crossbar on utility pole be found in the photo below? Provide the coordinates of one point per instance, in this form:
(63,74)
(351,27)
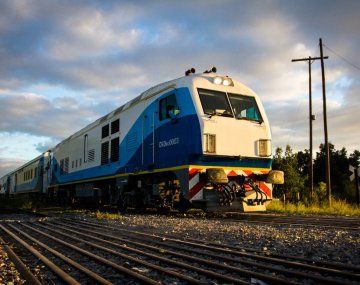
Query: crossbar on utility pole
(311,118)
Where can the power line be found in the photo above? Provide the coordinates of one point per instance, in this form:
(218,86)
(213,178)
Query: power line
(342,57)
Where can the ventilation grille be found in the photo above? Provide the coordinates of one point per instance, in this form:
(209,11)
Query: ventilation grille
(114,155)
(105,131)
(66,165)
(104,153)
(115,126)
(91,155)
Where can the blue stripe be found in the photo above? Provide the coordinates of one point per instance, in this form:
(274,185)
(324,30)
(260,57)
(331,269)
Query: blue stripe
(226,161)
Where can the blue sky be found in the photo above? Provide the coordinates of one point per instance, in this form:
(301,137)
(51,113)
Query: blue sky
(66,63)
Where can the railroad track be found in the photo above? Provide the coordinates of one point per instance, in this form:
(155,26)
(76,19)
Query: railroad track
(333,222)
(72,251)
(345,223)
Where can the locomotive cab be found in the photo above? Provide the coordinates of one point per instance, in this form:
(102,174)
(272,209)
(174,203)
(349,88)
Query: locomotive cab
(235,164)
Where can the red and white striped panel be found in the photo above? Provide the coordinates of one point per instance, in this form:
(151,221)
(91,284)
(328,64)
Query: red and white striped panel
(196,186)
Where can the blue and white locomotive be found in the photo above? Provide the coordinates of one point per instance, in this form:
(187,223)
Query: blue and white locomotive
(202,140)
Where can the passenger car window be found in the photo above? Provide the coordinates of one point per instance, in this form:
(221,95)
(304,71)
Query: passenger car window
(168,107)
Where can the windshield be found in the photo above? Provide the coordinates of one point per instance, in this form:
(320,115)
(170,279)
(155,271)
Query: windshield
(215,103)
(227,105)
(245,107)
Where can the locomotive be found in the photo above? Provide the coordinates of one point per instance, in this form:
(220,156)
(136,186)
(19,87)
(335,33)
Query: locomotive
(202,140)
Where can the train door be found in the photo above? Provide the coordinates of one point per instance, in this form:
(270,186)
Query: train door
(8,186)
(148,139)
(15,182)
(46,171)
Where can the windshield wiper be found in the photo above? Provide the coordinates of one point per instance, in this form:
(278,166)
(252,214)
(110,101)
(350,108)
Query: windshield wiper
(225,115)
(222,114)
(249,119)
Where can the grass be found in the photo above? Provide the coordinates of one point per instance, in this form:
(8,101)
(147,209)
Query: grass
(338,208)
(98,214)
(107,216)
(22,202)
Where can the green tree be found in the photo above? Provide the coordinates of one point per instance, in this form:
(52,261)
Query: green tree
(354,158)
(339,170)
(288,162)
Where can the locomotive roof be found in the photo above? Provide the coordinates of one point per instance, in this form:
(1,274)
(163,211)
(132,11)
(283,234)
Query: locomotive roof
(155,90)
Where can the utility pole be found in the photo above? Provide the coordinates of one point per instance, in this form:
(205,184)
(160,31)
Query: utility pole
(328,180)
(357,185)
(310,60)
(355,175)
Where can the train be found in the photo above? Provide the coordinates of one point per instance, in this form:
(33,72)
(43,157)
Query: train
(199,141)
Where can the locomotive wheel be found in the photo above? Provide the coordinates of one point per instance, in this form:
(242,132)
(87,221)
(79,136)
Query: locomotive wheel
(184,205)
(163,210)
(122,204)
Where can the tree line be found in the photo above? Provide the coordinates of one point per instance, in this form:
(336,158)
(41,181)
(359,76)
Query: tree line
(296,171)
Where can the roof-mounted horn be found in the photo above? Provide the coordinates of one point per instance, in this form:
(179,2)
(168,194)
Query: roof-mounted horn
(211,70)
(190,71)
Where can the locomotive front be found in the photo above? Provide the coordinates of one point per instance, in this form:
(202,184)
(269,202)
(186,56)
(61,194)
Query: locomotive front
(234,169)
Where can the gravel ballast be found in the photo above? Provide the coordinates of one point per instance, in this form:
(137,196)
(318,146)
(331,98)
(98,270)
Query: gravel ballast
(312,242)
(317,243)
(8,273)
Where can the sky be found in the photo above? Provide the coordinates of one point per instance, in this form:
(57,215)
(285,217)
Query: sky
(63,64)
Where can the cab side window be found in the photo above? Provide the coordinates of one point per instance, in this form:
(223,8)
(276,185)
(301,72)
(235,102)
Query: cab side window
(168,107)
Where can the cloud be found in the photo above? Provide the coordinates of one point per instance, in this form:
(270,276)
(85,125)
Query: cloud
(44,146)
(66,63)
(9,164)
(34,114)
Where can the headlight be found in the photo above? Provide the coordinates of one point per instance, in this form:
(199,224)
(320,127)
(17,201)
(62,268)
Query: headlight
(218,80)
(209,143)
(228,82)
(264,148)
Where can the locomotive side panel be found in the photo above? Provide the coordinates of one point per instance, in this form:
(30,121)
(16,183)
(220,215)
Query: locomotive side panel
(147,141)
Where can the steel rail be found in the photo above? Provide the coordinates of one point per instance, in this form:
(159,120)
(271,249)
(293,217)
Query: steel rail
(160,258)
(217,257)
(306,218)
(327,222)
(297,224)
(336,265)
(291,223)
(295,264)
(242,254)
(281,216)
(273,280)
(73,263)
(298,221)
(99,258)
(284,271)
(59,272)
(19,265)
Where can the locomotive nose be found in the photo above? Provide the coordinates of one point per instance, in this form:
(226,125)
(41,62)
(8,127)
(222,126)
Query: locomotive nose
(216,176)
